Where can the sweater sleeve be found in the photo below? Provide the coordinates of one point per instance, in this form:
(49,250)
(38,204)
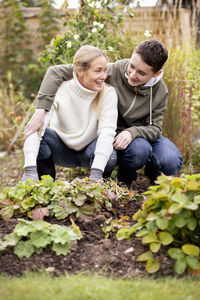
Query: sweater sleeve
(53,78)
(107,124)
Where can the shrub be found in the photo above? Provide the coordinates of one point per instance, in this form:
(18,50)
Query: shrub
(169,217)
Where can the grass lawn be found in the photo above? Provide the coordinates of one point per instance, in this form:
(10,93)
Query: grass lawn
(39,286)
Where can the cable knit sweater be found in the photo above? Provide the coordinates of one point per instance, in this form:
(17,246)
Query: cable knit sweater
(75,119)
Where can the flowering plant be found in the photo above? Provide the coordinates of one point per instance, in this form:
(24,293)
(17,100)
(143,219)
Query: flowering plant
(96,23)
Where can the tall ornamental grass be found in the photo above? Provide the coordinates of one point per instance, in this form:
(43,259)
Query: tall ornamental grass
(181,121)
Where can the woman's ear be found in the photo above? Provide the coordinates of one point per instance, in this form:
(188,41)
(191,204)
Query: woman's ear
(79,73)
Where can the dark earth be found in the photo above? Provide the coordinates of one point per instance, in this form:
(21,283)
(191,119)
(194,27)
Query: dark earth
(93,253)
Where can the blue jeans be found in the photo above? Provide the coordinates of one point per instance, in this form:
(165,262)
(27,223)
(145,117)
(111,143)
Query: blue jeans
(54,151)
(158,156)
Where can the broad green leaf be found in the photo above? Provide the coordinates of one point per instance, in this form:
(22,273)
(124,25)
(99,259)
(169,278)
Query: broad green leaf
(180,221)
(191,205)
(142,232)
(192,262)
(180,266)
(150,238)
(145,256)
(176,253)
(28,203)
(152,266)
(61,249)
(192,223)
(193,185)
(162,223)
(79,200)
(24,249)
(7,212)
(165,238)
(11,239)
(180,198)
(190,249)
(155,247)
(123,233)
(40,239)
(138,215)
(197,199)
(175,208)
(22,229)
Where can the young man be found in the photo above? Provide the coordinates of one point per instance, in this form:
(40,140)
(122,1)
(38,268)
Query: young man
(142,100)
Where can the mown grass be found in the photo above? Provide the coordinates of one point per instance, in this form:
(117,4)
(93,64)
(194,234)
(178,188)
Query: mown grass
(37,286)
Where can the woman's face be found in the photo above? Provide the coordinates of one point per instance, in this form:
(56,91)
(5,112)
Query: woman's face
(94,77)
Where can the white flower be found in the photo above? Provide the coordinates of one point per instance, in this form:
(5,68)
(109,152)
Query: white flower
(76,36)
(98,4)
(95,23)
(69,44)
(125,9)
(147,33)
(94,30)
(105,1)
(91,4)
(101,26)
(131,5)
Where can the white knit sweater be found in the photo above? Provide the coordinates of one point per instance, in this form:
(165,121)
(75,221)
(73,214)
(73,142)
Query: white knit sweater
(75,120)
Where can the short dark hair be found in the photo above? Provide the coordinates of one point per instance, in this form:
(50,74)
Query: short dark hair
(153,53)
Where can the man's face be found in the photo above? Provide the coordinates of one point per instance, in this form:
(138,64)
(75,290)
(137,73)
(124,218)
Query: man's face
(138,71)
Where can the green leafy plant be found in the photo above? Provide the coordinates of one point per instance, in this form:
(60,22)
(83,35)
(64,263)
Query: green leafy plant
(169,217)
(31,237)
(60,198)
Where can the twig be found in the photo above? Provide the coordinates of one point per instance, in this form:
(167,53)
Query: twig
(22,125)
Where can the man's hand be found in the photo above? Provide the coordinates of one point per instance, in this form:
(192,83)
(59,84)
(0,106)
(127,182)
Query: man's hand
(35,124)
(122,140)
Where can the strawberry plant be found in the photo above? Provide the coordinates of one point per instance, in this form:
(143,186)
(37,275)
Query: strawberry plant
(169,217)
(31,237)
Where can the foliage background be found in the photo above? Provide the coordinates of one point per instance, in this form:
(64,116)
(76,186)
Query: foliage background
(101,24)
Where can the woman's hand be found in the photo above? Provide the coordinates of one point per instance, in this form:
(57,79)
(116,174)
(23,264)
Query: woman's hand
(122,140)
(35,124)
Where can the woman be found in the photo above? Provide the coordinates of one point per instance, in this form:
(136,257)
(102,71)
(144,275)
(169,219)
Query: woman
(82,123)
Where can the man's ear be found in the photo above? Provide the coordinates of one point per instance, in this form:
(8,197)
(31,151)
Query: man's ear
(157,73)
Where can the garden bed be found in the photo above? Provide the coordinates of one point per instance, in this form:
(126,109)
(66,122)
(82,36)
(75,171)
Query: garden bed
(93,253)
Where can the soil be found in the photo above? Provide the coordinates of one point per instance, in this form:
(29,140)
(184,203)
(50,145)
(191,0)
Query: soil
(93,253)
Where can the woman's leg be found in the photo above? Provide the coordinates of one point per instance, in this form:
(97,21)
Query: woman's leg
(54,151)
(134,157)
(87,157)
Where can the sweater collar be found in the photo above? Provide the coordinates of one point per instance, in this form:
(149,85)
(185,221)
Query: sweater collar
(81,91)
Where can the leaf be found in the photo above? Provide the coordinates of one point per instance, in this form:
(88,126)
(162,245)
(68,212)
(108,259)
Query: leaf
(180,221)
(197,199)
(40,213)
(28,203)
(165,238)
(40,239)
(61,249)
(180,266)
(145,256)
(192,223)
(176,253)
(152,266)
(155,247)
(24,249)
(79,200)
(192,262)
(190,249)
(7,212)
(6,202)
(123,233)
(150,238)
(162,223)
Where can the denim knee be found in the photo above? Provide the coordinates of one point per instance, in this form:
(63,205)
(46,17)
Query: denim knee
(171,164)
(136,155)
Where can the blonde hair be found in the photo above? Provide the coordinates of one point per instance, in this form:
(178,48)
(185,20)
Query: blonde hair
(82,60)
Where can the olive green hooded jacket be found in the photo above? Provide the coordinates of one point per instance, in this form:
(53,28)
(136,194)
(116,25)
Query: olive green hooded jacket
(140,109)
